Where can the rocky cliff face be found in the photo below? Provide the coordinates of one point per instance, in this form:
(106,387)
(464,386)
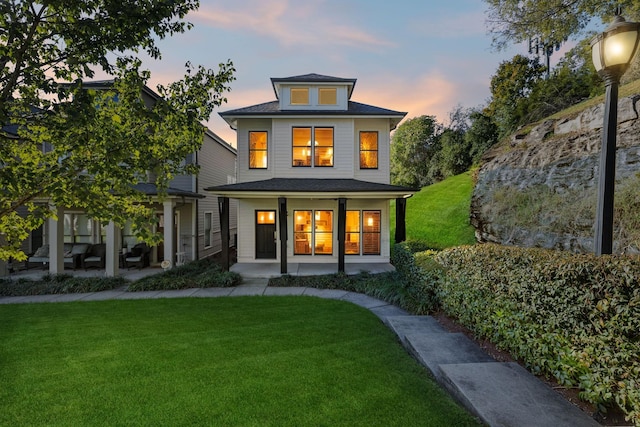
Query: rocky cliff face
(556,165)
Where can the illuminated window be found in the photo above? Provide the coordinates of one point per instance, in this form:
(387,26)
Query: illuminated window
(257,150)
(319,153)
(323,148)
(327,96)
(302,234)
(266,217)
(323,233)
(370,232)
(368,150)
(313,232)
(300,96)
(302,147)
(352,238)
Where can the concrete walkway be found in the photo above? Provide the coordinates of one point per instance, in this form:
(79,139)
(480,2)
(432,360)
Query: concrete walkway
(499,394)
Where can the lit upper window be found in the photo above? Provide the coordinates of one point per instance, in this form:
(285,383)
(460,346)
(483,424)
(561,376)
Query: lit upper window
(327,96)
(319,153)
(257,150)
(368,150)
(300,96)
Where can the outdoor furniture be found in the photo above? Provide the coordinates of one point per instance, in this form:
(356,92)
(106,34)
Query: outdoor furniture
(138,257)
(40,256)
(74,253)
(95,257)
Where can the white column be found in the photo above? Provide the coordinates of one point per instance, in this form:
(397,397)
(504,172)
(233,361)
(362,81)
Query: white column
(112,255)
(194,231)
(56,242)
(169,226)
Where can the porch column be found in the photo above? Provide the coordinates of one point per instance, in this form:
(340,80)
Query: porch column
(223,210)
(401,228)
(342,220)
(112,253)
(169,228)
(194,231)
(282,219)
(56,242)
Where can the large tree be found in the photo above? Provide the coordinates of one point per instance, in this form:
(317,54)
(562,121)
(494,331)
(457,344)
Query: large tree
(511,86)
(514,21)
(413,145)
(99,143)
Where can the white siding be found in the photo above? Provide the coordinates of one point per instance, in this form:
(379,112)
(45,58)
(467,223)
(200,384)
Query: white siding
(217,164)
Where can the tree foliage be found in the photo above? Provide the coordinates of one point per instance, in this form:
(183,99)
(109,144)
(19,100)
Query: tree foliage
(413,145)
(514,21)
(99,143)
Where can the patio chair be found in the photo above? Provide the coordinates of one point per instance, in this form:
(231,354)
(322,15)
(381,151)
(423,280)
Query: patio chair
(138,257)
(40,256)
(74,253)
(95,257)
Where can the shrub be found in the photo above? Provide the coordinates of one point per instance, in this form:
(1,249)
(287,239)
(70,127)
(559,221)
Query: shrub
(59,284)
(204,273)
(575,317)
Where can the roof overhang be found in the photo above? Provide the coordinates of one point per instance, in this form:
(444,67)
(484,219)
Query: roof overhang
(312,188)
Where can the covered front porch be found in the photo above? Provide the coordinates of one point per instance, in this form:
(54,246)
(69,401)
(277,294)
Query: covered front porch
(113,249)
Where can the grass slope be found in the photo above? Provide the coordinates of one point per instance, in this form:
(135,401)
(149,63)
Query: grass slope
(438,215)
(246,361)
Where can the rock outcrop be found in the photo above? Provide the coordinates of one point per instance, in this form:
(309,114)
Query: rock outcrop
(561,156)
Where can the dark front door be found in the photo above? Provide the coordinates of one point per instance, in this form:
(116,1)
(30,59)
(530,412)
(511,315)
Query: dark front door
(266,234)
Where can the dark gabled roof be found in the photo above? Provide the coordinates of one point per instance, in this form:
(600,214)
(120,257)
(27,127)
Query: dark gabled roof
(152,190)
(108,84)
(272,109)
(311,185)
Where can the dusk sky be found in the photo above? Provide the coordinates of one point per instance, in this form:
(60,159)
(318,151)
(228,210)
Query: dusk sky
(422,57)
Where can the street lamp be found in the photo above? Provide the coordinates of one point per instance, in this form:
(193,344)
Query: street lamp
(612,52)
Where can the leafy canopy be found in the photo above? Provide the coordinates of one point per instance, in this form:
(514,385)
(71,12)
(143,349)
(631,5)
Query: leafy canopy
(514,21)
(66,144)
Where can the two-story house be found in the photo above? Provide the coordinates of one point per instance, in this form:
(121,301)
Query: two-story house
(188,219)
(314,176)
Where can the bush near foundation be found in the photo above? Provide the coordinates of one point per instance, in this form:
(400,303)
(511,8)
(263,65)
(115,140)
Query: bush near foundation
(574,317)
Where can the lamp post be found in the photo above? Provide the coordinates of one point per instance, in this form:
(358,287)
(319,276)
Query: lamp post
(612,52)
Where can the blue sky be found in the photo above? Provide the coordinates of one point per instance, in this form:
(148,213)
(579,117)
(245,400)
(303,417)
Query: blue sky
(422,57)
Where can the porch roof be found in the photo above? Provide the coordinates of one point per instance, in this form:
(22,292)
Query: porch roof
(312,188)
(152,190)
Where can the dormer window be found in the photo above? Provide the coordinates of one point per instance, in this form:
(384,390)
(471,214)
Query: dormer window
(300,96)
(327,96)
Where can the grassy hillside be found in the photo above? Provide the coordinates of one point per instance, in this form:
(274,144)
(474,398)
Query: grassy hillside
(438,215)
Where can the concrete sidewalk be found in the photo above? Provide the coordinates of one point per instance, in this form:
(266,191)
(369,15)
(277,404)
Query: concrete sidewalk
(499,394)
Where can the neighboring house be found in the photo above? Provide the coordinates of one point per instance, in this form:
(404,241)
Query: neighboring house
(314,176)
(188,220)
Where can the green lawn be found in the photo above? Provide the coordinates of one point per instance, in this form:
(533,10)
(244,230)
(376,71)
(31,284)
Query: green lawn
(245,361)
(438,215)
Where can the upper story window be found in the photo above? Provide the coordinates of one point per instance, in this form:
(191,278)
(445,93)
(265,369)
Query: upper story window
(258,150)
(319,153)
(300,96)
(368,150)
(328,96)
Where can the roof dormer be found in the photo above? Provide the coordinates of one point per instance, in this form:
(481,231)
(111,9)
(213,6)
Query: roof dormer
(313,92)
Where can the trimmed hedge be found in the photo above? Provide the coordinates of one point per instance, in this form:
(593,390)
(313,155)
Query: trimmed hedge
(575,317)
